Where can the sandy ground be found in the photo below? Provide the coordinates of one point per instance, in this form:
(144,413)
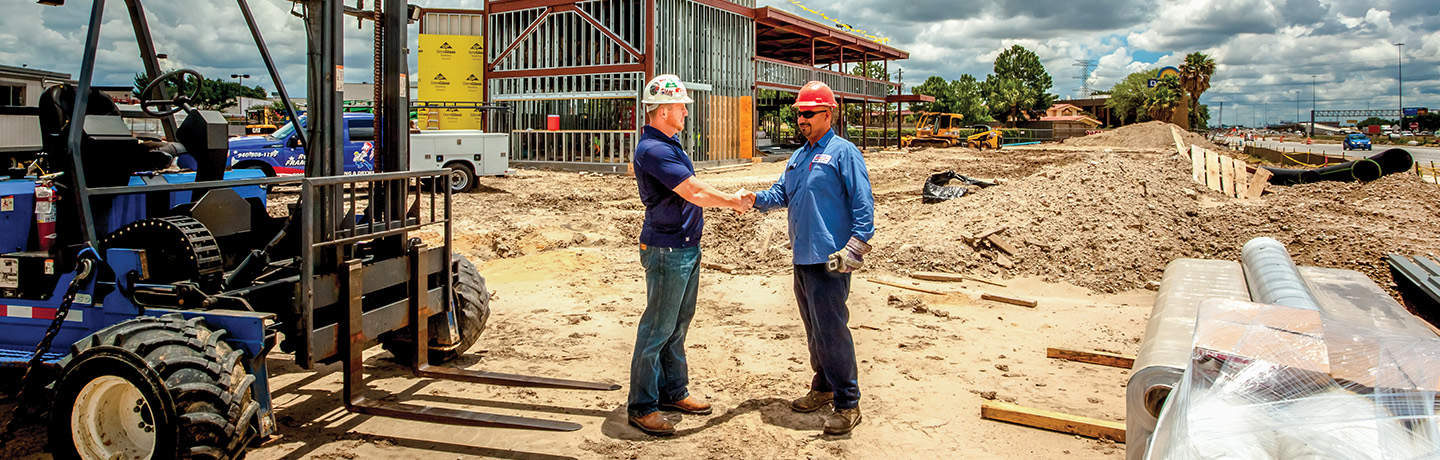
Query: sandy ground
(1093,225)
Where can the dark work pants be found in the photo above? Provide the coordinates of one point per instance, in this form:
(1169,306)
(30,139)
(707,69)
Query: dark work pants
(821,295)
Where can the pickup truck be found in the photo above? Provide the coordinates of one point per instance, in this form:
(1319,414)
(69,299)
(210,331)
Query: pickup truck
(466,153)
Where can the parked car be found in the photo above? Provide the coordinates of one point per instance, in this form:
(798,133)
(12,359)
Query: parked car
(1356,142)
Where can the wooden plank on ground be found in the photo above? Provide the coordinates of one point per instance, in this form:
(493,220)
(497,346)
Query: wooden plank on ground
(1179,141)
(1227,175)
(1103,359)
(1242,179)
(1212,170)
(1002,244)
(937,276)
(902,286)
(1197,164)
(1258,182)
(1009,300)
(1053,421)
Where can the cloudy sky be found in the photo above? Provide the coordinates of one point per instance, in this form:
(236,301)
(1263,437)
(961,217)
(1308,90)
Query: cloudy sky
(1268,52)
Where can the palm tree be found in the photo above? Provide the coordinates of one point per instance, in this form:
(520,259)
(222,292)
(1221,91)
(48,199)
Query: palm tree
(1162,102)
(1195,77)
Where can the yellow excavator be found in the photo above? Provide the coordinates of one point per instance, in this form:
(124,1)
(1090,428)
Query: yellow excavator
(934,129)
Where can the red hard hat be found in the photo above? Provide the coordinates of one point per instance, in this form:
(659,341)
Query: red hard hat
(815,94)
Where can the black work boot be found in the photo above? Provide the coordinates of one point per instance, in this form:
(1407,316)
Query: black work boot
(812,401)
(842,421)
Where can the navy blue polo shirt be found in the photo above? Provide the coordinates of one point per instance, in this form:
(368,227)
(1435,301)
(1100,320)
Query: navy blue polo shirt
(660,166)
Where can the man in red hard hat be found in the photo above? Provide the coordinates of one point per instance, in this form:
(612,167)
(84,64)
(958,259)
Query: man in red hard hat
(826,190)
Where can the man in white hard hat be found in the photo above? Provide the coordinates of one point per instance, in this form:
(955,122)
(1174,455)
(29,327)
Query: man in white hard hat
(670,253)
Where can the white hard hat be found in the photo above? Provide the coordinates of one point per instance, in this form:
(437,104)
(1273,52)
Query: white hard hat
(666,89)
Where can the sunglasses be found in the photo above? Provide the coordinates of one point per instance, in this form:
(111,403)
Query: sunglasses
(811,113)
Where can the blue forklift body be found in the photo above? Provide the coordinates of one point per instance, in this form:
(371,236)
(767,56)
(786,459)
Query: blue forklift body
(99,304)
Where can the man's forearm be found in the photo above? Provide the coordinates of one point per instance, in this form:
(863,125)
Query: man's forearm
(708,197)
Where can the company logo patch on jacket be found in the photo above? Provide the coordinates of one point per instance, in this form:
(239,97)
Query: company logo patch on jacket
(823,159)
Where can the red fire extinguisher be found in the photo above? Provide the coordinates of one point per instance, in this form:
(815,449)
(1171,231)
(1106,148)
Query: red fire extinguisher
(45,215)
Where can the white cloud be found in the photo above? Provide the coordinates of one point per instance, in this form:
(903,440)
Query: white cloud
(1265,50)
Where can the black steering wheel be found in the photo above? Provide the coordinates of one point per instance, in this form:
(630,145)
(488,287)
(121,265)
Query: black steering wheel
(153,107)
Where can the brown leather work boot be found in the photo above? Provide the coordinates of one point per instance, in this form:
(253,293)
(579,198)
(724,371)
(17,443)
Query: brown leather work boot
(653,424)
(842,421)
(690,405)
(812,401)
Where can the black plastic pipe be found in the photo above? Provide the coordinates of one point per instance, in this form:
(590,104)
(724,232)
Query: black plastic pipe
(1364,170)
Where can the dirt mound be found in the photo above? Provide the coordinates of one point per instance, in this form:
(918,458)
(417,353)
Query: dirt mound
(1105,221)
(1147,135)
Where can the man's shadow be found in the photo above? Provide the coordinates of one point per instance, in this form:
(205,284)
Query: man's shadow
(773,411)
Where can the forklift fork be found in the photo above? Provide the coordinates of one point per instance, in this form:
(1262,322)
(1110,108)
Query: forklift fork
(354,341)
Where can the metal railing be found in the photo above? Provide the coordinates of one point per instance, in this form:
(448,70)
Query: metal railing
(791,75)
(574,146)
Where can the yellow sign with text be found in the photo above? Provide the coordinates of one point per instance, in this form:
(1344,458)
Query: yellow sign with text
(452,69)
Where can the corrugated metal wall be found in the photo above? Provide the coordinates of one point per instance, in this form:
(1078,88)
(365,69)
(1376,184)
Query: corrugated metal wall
(712,47)
(708,47)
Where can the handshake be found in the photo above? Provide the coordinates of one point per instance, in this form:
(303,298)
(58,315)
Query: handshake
(742,201)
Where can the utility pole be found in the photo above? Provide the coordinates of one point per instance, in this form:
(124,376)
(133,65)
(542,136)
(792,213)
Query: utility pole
(1312,106)
(1222,114)
(1400,81)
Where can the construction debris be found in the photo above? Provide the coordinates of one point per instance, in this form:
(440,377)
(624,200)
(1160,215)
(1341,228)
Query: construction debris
(1009,300)
(1053,421)
(1103,359)
(935,189)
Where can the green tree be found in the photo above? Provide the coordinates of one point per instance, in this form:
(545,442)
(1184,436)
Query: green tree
(1195,75)
(969,99)
(1008,99)
(1020,84)
(214,94)
(1375,121)
(1162,102)
(1200,116)
(938,88)
(1127,98)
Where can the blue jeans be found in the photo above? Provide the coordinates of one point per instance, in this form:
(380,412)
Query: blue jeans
(658,373)
(822,295)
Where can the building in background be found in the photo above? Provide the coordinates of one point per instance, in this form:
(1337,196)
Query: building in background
(572,73)
(20,89)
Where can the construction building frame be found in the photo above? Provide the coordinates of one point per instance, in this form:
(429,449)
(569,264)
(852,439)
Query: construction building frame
(587,61)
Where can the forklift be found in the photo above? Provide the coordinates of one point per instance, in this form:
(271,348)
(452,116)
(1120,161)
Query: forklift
(140,303)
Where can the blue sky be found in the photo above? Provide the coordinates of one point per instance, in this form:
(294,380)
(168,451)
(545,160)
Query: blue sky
(1267,51)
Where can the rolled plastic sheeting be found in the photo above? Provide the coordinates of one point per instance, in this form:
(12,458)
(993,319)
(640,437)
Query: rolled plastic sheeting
(1165,350)
(1273,277)
(1364,170)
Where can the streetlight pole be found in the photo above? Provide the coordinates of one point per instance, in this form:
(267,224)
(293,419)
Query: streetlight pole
(1400,82)
(1312,106)
(240,77)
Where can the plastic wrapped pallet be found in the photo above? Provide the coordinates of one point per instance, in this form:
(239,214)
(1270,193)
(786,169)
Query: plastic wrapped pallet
(1165,350)
(1277,382)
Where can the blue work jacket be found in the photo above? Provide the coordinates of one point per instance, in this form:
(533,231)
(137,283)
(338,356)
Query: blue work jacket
(826,188)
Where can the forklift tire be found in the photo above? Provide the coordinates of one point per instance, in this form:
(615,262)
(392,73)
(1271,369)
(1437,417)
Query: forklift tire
(472,311)
(152,387)
(462,178)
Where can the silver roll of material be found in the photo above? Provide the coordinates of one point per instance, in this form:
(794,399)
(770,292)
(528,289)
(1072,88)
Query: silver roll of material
(1272,275)
(1169,337)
